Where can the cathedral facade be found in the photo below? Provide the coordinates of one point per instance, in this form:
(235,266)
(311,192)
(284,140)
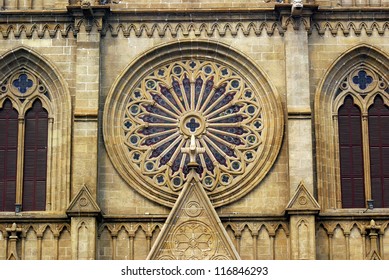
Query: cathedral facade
(204,129)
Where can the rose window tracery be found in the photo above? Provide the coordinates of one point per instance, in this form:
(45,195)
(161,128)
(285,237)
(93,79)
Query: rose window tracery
(200,98)
(175,107)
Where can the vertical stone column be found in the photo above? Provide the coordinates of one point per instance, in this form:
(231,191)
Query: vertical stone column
(302,207)
(87,89)
(299,108)
(83,209)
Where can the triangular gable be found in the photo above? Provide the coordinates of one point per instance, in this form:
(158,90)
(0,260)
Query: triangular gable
(302,200)
(83,203)
(193,230)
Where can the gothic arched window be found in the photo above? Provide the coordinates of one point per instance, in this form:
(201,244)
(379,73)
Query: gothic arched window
(379,152)
(24,125)
(363,139)
(8,155)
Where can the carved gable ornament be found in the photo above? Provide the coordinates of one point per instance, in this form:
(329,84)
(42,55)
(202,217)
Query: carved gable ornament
(83,204)
(193,230)
(302,201)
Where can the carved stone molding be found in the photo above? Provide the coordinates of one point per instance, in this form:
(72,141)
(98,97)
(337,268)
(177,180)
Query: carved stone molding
(193,230)
(246,22)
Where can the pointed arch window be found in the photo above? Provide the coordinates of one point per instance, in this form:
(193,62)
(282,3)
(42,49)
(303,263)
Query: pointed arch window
(363,139)
(379,152)
(24,123)
(8,155)
(351,154)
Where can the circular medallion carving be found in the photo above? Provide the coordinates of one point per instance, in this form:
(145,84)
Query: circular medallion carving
(193,209)
(83,202)
(302,200)
(152,114)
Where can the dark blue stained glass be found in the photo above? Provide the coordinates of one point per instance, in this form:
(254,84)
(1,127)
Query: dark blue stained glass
(232,119)
(176,163)
(248,94)
(232,130)
(198,86)
(186,83)
(235,83)
(154,140)
(177,90)
(137,94)
(165,159)
(217,94)
(23,83)
(160,149)
(225,178)
(161,72)
(228,151)
(161,101)
(160,179)
(200,168)
(208,88)
(220,158)
(208,69)
(136,156)
(257,124)
(227,99)
(208,163)
(192,125)
(362,79)
(128,124)
(233,109)
(152,130)
(155,110)
(134,139)
(168,95)
(151,84)
(177,70)
(249,155)
(192,64)
(251,109)
(224,72)
(177,181)
(152,119)
(230,139)
(149,166)
(185,168)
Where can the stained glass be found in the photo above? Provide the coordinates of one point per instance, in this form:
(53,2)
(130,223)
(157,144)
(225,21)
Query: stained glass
(23,83)
(207,100)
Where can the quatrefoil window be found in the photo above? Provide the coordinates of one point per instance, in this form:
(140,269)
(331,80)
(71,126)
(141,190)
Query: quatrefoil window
(362,79)
(23,83)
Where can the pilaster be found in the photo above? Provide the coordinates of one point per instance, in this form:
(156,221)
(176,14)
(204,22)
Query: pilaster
(296,23)
(88,22)
(83,211)
(302,209)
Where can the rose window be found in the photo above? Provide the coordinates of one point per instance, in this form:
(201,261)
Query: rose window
(198,98)
(150,125)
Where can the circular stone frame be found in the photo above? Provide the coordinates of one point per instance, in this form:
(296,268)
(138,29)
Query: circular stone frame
(118,97)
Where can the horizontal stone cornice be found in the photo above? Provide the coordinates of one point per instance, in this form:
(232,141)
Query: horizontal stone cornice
(260,21)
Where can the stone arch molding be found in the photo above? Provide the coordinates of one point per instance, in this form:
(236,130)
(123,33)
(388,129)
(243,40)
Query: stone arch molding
(328,100)
(197,91)
(58,106)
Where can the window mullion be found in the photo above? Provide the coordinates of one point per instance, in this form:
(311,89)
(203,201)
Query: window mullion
(336,178)
(366,155)
(20,163)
